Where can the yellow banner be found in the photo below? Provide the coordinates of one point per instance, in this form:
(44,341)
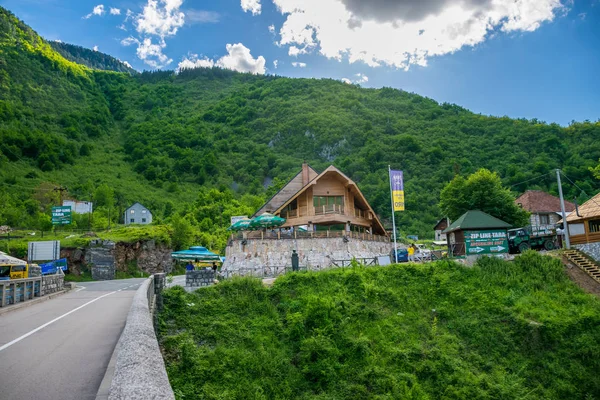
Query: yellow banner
(398,196)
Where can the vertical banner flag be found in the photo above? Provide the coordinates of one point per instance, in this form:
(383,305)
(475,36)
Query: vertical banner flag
(397,183)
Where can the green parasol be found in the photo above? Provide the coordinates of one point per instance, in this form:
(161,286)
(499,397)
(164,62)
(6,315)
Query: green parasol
(266,220)
(241,225)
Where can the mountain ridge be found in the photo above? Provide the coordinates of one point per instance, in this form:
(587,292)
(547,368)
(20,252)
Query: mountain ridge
(171,135)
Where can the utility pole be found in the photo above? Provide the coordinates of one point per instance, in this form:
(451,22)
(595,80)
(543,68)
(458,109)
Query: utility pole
(61,190)
(562,209)
(393,214)
(90,213)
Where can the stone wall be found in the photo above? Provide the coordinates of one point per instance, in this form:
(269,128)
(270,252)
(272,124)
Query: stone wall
(103,272)
(52,284)
(146,256)
(313,253)
(204,277)
(591,249)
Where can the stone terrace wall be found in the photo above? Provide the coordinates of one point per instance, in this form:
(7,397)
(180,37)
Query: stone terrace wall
(199,278)
(52,284)
(316,253)
(591,249)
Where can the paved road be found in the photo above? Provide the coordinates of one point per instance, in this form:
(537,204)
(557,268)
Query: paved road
(60,348)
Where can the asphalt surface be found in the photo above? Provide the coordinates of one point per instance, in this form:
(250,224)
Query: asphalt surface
(45,354)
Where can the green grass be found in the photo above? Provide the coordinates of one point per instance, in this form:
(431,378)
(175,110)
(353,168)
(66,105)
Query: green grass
(85,276)
(500,330)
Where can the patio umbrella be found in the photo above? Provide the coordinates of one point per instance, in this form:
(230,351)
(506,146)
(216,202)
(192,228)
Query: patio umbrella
(194,253)
(266,220)
(241,225)
(5,259)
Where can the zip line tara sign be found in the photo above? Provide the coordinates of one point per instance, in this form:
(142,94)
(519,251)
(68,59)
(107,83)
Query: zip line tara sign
(486,242)
(61,215)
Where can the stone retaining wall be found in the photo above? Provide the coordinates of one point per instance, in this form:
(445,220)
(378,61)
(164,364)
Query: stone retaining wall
(52,284)
(591,249)
(103,272)
(205,277)
(313,253)
(140,370)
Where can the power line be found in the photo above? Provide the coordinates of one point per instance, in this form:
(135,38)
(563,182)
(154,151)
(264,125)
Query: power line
(583,191)
(529,180)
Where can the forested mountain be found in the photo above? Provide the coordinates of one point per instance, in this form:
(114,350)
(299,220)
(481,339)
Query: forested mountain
(91,58)
(160,137)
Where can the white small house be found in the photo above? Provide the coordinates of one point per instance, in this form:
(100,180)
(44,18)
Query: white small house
(138,214)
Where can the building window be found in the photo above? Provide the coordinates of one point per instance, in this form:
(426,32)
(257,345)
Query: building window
(143,211)
(143,220)
(328,204)
(132,220)
(132,212)
(594,226)
(544,219)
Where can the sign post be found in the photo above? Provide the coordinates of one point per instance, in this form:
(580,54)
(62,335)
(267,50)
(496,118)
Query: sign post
(61,215)
(397,193)
(486,242)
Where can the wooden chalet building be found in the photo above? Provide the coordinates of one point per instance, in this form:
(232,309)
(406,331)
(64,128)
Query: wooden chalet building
(584,224)
(328,223)
(329,199)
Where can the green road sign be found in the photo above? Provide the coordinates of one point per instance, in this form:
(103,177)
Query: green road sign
(61,215)
(486,242)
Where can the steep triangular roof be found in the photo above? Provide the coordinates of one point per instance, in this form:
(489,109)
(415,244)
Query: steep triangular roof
(537,201)
(589,209)
(349,182)
(289,189)
(476,219)
(442,224)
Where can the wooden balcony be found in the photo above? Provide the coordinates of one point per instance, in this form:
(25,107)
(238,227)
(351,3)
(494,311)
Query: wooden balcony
(298,234)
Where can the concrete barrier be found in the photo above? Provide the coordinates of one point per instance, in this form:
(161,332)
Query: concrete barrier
(140,370)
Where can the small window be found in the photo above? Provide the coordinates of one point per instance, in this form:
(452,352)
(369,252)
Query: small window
(594,226)
(544,219)
(132,211)
(143,220)
(132,220)
(143,211)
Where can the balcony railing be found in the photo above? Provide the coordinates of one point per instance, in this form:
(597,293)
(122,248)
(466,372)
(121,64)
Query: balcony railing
(329,209)
(299,234)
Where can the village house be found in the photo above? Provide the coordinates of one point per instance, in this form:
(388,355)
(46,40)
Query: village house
(439,229)
(137,214)
(328,219)
(544,208)
(584,227)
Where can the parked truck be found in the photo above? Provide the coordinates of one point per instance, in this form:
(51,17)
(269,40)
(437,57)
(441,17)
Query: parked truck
(541,237)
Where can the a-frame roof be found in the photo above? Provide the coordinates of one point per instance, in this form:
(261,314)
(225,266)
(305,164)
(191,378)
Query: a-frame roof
(349,182)
(589,209)
(476,219)
(289,189)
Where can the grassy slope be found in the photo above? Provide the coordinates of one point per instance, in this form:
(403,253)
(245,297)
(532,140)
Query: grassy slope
(501,330)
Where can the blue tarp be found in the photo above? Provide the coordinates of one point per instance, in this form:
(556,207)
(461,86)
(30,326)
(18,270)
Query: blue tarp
(52,267)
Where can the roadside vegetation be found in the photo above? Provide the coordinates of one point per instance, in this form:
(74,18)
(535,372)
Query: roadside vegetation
(498,330)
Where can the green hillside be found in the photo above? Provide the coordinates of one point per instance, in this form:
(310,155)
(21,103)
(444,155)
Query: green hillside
(499,330)
(90,58)
(161,137)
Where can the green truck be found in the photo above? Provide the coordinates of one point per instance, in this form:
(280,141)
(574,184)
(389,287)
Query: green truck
(541,237)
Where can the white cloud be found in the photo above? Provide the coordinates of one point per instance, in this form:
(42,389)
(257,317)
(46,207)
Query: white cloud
(115,11)
(299,64)
(275,63)
(361,78)
(251,5)
(126,64)
(237,59)
(194,62)
(161,18)
(95,48)
(202,16)
(129,15)
(58,41)
(240,59)
(294,51)
(404,33)
(272,28)
(152,54)
(98,10)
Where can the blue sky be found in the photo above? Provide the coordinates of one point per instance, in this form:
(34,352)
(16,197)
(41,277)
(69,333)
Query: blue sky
(521,58)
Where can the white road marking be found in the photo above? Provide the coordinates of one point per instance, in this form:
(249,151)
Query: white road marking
(7,345)
(80,289)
